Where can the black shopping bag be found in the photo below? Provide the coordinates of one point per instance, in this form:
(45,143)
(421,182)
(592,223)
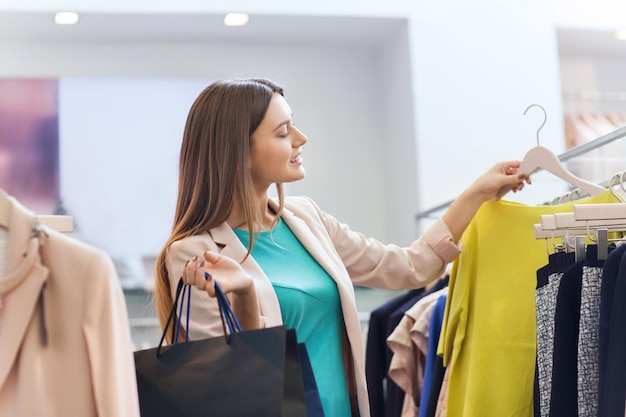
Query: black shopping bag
(239,374)
(311,393)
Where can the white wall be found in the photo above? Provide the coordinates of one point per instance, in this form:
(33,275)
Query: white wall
(393,129)
(121,137)
(400,177)
(473,86)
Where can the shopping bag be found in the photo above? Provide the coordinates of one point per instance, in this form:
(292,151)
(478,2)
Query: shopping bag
(242,373)
(311,393)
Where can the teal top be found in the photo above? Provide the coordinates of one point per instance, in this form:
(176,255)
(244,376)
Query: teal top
(309,302)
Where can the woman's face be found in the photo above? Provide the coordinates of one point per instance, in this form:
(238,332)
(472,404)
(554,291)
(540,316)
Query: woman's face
(275,151)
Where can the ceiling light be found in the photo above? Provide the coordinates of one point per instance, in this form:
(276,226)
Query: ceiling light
(236,19)
(66,18)
(620,35)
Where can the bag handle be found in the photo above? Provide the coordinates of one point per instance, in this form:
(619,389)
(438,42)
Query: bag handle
(226,314)
(171,316)
(186,289)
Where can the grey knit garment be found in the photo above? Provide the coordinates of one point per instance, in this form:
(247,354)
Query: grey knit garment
(589,342)
(545,302)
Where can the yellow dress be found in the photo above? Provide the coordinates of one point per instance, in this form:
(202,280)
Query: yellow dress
(488,338)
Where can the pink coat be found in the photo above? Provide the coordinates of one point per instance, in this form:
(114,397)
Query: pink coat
(348,257)
(65,346)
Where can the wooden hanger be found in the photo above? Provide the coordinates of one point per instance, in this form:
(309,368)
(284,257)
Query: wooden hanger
(540,157)
(596,220)
(60,223)
(606,211)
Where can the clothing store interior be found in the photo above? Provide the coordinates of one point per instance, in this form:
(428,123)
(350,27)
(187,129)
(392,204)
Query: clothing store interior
(404,104)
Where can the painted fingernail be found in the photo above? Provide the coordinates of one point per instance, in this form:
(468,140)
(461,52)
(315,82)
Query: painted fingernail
(201,264)
(187,262)
(195,258)
(207,276)
(521,176)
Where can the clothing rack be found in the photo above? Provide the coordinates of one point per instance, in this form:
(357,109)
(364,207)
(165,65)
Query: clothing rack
(595,95)
(565,156)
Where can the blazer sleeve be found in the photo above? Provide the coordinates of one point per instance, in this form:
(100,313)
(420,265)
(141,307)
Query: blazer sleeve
(204,320)
(107,334)
(204,314)
(371,263)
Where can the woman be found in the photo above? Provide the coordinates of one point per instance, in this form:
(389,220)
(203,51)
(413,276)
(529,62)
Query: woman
(284,260)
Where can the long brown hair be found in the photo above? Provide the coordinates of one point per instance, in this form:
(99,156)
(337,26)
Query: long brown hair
(213,167)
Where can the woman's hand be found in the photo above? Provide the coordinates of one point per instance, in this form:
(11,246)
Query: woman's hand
(230,275)
(233,279)
(500,179)
(493,184)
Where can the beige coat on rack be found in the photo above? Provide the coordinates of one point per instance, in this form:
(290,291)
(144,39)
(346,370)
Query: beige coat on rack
(65,344)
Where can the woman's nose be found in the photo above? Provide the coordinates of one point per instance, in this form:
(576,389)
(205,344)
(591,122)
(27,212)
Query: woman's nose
(301,138)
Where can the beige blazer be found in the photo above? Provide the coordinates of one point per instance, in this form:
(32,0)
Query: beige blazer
(65,346)
(349,258)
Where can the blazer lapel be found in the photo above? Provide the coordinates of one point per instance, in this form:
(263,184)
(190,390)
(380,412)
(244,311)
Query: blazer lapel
(21,222)
(232,247)
(19,303)
(313,244)
(19,308)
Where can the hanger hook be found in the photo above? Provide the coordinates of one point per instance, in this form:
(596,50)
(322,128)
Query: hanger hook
(545,118)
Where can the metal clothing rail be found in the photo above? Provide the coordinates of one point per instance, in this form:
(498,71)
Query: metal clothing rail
(594,95)
(565,156)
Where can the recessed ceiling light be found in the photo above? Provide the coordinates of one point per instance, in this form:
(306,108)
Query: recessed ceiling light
(236,19)
(620,35)
(66,18)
